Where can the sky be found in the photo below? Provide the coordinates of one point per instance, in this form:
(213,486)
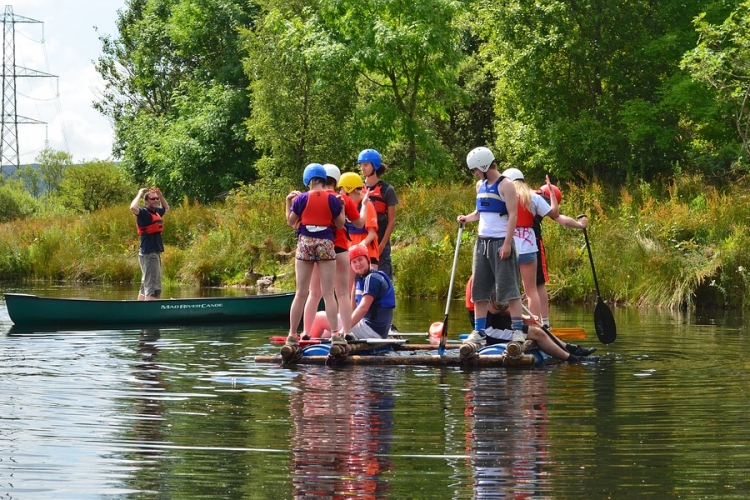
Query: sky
(70,47)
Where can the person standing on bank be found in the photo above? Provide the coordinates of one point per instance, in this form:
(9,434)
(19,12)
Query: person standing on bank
(148,220)
(384,199)
(495,263)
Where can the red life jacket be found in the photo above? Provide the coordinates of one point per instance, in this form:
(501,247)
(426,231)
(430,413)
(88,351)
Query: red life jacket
(376,197)
(155,226)
(525,217)
(317,212)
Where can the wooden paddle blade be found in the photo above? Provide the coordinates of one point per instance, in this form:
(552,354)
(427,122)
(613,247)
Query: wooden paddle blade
(604,323)
(569,333)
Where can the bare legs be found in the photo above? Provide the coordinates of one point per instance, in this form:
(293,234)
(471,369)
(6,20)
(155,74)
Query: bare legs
(304,271)
(342,291)
(528,277)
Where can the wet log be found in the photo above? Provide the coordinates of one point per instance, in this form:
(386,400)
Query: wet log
(413,360)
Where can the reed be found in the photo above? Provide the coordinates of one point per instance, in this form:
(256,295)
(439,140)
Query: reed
(679,246)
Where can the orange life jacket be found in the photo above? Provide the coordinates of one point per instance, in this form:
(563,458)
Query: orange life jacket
(525,217)
(317,212)
(155,226)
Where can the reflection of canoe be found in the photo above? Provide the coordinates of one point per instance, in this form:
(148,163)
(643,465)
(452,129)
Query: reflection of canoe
(491,356)
(31,310)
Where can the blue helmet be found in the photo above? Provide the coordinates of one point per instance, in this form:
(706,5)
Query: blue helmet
(313,170)
(372,156)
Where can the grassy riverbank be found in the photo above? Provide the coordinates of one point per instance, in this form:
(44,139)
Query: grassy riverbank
(678,247)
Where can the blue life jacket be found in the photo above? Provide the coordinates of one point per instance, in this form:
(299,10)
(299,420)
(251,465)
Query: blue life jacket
(489,199)
(388,300)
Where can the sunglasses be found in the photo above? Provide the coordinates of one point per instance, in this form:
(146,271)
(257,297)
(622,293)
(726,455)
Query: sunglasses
(152,199)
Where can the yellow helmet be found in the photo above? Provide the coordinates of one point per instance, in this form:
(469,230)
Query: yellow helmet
(350,181)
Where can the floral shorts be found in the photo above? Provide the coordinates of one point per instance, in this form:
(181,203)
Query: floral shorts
(314,249)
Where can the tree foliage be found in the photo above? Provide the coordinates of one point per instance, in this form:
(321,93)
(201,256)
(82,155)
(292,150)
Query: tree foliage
(586,89)
(52,165)
(15,201)
(303,90)
(94,185)
(208,93)
(722,60)
(177,94)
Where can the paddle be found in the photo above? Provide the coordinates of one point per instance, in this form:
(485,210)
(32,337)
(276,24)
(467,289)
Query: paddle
(604,322)
(444,332)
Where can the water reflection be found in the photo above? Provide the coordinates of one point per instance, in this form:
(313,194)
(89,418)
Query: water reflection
(507,433)
(342,433)
(148,409)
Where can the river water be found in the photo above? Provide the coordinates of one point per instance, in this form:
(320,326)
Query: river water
(186,413)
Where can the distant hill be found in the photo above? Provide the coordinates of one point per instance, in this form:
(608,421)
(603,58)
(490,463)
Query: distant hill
(8,170)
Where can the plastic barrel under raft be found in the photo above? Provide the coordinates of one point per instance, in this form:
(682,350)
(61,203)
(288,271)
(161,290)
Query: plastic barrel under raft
(498,349)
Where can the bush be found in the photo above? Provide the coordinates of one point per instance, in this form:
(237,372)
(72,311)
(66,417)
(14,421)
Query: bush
(16,202)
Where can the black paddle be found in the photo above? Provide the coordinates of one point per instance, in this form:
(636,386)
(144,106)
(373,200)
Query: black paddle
(444,331)
(604,322)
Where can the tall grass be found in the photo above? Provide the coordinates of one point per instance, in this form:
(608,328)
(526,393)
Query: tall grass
(679,246)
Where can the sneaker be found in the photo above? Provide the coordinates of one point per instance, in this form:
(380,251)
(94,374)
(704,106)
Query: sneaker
(476,337)
(292,340)
(583,359)
(518,336)
(304,336)
(579,350)
(349,337)
(337,339)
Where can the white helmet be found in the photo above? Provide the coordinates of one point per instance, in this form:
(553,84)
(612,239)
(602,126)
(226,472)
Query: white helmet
(513,174)
(333,172)
(480,158)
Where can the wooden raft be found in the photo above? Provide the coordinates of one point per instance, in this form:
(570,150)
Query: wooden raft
(409,360)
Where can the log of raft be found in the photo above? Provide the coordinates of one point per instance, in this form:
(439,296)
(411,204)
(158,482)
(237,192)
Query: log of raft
(391,360)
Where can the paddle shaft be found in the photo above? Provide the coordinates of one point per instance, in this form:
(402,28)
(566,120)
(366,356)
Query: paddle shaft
(444,332)
(606,330)
(591,259)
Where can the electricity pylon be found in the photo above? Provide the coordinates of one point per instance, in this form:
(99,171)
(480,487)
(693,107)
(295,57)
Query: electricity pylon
(10,120)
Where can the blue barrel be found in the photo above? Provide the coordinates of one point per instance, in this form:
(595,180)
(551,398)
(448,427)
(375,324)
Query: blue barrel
(316,350)
(498,349)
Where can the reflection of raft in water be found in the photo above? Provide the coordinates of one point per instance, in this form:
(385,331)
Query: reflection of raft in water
(377,352)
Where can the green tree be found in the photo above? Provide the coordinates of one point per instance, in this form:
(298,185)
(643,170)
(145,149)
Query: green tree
(31,179)
(303,90)
(52,165)
(407,55)
(94,185)
(722,60)
(176,92)
(588,88)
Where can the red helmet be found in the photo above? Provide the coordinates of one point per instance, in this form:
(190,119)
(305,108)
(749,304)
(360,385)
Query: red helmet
(358,251)
(544,191)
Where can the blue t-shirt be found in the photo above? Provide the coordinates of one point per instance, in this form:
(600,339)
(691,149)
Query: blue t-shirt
(150,243)
(379,317)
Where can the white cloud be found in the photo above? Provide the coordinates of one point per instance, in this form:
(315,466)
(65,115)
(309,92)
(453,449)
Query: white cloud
(71,44)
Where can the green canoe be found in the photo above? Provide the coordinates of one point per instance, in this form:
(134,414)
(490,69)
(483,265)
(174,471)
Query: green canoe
(32,310)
